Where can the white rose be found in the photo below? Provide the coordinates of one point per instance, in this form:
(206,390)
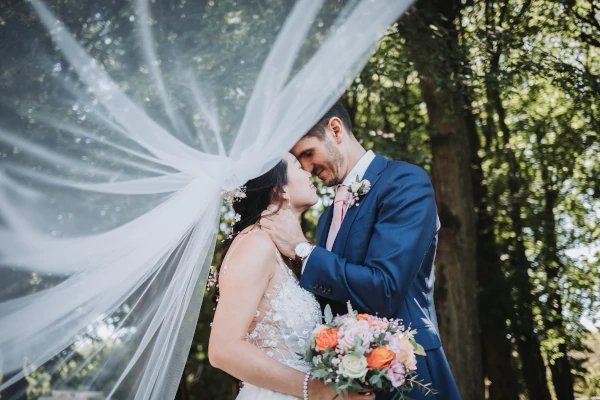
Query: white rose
(349,332)
(367,184)
(393,342)
(355,186)
(353,366)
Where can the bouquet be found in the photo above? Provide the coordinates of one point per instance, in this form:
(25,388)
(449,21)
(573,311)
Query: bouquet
(356,350)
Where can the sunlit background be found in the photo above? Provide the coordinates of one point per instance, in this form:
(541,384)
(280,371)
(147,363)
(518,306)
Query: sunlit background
(499,101)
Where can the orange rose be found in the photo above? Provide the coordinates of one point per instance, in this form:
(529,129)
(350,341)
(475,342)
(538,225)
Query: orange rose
(380,358)
(360,317)
(327,338)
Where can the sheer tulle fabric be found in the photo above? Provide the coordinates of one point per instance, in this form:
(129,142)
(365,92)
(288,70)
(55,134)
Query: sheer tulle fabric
(122,124)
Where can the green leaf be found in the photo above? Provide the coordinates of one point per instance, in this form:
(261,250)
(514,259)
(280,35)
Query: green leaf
(380,340)
(320,373)
(418,349)
(375,380)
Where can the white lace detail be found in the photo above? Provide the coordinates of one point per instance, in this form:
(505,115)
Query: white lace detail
(286,316)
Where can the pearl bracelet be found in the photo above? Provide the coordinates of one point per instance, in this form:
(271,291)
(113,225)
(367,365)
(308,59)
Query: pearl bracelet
(306,378)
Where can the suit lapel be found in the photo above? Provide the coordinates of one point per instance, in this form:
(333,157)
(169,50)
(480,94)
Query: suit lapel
(372,174)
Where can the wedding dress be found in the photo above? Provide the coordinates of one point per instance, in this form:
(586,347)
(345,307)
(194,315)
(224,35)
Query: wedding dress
(286,316)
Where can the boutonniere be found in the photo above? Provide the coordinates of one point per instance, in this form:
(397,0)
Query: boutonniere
(357,190)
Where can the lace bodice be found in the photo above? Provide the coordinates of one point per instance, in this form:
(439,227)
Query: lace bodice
(285,317)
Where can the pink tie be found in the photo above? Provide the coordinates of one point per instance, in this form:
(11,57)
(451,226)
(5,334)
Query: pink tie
(339,211)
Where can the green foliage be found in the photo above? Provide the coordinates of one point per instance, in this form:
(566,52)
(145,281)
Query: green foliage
(530,77)
(588,384)
(549,92)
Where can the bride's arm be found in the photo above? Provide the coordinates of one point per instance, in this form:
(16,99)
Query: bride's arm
(241,287)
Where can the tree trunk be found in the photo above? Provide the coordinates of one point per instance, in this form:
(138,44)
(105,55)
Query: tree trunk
(494,299)
(534,370)
(560,366)
(456,284)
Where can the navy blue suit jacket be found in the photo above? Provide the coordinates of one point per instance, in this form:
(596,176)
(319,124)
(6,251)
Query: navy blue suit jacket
(382,258)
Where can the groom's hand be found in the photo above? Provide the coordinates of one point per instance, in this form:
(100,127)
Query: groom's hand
(284,229)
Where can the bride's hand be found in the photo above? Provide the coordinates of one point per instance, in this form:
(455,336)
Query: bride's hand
(365,394)
(318,390)
(284,229)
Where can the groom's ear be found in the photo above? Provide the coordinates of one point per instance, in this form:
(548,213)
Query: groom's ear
(337,128)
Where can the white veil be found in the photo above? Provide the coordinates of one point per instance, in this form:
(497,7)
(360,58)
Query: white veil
(119,128)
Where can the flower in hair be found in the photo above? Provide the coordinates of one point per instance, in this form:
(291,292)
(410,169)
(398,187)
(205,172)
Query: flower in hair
(235,195)
(236,218)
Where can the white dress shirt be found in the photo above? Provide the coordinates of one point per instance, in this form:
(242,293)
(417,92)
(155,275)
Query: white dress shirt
(358,171)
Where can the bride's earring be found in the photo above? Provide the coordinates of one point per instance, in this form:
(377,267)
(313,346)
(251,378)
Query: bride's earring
(289,199)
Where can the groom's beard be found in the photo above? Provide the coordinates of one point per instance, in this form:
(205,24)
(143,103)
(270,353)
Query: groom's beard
(334,164)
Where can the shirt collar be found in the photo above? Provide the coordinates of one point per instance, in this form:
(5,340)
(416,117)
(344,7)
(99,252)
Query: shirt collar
(360,168)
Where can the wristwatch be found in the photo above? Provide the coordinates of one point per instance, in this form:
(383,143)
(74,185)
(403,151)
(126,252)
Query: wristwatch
(303,250)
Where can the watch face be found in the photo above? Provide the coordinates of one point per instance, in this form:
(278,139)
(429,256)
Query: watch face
(302,249)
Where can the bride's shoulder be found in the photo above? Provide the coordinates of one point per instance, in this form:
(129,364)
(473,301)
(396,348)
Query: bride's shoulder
(249,264)
(250,261)
(253,246)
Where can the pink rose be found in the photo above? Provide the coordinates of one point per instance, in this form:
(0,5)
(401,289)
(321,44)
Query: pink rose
(393,342)
(351,331)
(396,373)
(341,318)
(412,362)
(406,353)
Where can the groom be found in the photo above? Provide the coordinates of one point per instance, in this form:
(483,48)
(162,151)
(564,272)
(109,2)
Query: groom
(378,251)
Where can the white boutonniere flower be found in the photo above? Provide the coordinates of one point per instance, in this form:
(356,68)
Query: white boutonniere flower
(357,190)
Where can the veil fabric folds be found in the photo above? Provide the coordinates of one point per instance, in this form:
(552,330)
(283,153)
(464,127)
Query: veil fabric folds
(121,123)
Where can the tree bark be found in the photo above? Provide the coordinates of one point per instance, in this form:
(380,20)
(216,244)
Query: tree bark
(494,299)
(456,275)
(560,366)
(523,323)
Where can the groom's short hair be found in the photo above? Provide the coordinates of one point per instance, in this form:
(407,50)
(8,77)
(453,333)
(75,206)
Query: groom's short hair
(338,110)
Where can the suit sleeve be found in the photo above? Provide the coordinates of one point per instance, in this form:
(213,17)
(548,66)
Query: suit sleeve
(404,230)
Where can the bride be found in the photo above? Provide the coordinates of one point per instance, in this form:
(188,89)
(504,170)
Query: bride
(263,317)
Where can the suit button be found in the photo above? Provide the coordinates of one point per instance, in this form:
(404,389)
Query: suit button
(328,291)
(315,286)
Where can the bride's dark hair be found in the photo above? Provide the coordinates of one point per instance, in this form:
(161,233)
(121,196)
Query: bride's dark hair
(261,192)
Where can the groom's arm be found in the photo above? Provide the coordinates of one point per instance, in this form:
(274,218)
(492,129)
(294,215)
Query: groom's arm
(403,232)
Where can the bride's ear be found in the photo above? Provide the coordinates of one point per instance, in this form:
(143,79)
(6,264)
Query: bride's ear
(287,200)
